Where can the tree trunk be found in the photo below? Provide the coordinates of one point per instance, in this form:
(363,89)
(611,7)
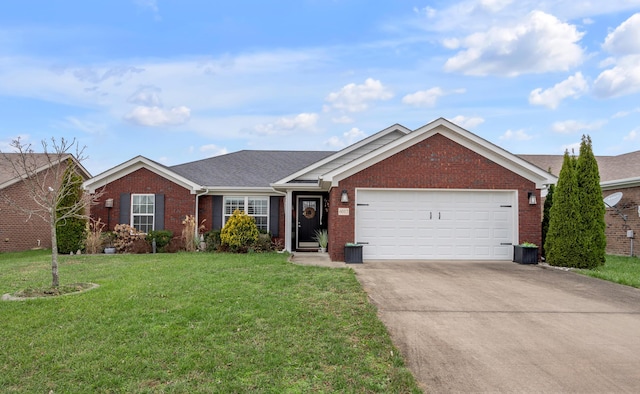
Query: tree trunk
(55,282)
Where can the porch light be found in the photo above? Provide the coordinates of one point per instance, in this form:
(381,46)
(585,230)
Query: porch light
(344,197)
(532,198)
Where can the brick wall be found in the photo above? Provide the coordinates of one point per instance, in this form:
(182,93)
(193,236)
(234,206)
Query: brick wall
(178,201)
(616,228)
(436,162)
(17,231)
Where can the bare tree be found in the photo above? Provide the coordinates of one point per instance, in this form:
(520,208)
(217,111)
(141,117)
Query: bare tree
(45,182)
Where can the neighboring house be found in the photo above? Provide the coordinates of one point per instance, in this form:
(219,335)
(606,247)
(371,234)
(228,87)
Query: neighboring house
(18,230)
(437,192)
(617,174)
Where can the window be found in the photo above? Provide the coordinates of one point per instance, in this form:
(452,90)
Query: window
(257,207)
(142,212)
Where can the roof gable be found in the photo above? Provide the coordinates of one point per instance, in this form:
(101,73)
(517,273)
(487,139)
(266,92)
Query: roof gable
(135,164)
(37,162)
(458,135)
(315,170)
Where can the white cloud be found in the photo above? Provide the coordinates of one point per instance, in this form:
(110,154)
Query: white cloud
(517,135)
(621,80)
(5,144)
(347,138)
(625,39)
(213,150)
(284,125)
(467,123)
(574,126)
(573,149)
(494,5)
(623,77)
(429,12)
(424,98)
(146,95)
(538,43)
(632,136)
(157,117)
(151,5)
(85,125)
(573,86)
(356,98)
(622,114)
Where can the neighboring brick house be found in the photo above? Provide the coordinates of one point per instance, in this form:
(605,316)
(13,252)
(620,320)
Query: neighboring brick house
(18,230)
(437,192)
(617,174)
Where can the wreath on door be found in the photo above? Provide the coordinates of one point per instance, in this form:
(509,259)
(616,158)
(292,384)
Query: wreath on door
(309,213)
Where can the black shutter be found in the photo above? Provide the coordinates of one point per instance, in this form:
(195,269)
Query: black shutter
(125,208)
(274,215)
(217,213)
(159,212)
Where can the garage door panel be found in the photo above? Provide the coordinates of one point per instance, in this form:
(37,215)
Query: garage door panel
(413,224)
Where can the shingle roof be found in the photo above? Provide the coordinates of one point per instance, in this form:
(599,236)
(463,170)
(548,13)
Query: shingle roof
(248,168)
(610,167)
(7,173)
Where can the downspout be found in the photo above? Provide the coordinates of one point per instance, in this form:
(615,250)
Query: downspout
(198,195)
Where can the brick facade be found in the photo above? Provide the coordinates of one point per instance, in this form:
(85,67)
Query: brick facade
(178,201)
(17,231)
(616,228)
(435,163)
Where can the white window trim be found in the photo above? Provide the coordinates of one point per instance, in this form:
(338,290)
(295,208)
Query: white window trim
(153,215)
(246,207)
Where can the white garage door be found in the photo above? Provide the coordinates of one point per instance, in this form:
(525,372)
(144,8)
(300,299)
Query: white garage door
(419,224)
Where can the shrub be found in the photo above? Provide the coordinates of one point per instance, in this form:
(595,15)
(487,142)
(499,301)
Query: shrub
(95,238)
(162,237)
(240,232)
(175,245)
(71,232)
(125,236)
(592,230)
(263,243)
(212,239)
(563,236)
(189,235)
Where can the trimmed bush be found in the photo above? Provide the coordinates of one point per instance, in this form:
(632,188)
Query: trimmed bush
(548,203)
(162,237)
(72,231)
(592,230)
(239,233)
(212,239)
(563,238)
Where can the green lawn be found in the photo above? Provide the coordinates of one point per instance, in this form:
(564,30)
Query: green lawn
(199,322)
(620,269)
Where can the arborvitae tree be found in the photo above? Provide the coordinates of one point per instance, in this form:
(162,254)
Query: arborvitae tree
(592,231)
(548,202)
(564,218)
(71,231)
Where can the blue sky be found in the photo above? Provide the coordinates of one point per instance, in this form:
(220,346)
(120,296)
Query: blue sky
(177,81)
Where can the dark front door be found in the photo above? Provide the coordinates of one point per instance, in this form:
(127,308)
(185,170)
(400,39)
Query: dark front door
(309,211)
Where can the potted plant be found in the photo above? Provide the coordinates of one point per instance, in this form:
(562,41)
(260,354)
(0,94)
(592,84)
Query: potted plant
(525,253)
(322,237)
(353,253)
(109,248)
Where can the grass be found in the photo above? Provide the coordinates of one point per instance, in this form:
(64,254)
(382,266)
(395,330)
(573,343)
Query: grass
(619,269)
(197,322)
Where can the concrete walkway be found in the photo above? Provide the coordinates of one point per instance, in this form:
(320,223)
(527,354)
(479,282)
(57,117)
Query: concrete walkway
(315,258)
(504,327)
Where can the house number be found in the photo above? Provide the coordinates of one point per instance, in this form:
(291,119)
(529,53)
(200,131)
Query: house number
(343,211)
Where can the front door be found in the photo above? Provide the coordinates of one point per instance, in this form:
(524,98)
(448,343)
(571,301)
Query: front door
(309,211)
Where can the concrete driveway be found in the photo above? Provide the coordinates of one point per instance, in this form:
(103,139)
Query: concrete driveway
(504,327)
